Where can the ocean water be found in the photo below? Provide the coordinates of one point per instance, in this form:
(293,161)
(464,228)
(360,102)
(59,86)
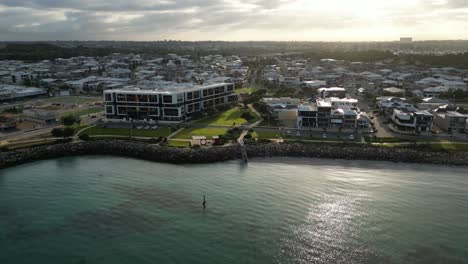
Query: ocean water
(98,209)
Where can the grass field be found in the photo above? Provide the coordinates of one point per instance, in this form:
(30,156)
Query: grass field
(245,90)
(449,146)
(99,131)
(437,146)
(82,112)
(176,143)
(266,134)
(14,146)
(225,119)
(187,133)
(73,100)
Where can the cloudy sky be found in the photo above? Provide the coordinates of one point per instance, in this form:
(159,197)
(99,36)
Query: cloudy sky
(313,20)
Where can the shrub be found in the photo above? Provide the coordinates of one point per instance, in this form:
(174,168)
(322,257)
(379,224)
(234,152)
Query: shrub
(247,115)
(68,132)
(84,137)
(57,132)
(69,120)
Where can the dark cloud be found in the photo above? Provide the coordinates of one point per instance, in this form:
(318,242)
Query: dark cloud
(110,5)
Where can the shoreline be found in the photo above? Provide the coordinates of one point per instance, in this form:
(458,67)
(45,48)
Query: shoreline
(173,155)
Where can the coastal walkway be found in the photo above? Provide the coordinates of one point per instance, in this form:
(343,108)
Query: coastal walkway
(243,151)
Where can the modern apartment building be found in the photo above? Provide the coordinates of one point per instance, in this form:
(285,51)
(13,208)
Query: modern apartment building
(451,121)
(169,103)
(412,121)
(332,113)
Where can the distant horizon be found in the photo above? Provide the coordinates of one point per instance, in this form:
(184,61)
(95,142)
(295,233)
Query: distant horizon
(239,41)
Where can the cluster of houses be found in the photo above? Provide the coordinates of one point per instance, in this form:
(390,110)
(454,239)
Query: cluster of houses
(92,75)
(407,118)
(333,108)
(376,78)
(14,92)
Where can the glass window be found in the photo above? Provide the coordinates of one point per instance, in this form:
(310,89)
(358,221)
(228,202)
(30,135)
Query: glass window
(109,110)
(121,97)
(171,112)
(153,98)
(167,99)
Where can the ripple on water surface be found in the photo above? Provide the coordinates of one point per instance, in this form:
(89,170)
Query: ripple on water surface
(117,210)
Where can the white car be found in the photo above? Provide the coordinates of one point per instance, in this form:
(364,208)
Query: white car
(324,135)
(351,137)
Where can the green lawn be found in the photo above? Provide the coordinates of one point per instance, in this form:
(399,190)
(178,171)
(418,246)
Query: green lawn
(99,131)
(266,134)
(450,146)
(176,143)
(248,90)
(85,111)
(225,119)
(73,100)
(187,133)
(228,118)
(15,146)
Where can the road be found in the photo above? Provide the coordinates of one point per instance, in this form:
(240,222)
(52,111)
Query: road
(19,135)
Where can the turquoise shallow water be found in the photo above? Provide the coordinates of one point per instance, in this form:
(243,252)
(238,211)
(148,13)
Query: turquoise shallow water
(118,210)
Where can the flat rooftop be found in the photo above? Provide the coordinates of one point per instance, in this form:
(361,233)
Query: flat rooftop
(167,88)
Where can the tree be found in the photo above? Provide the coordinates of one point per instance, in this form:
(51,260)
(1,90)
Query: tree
(197,115)
(63,132)
(69,120)
(68,132)
(57,132)
(247,115)
(211,111)
(84,137)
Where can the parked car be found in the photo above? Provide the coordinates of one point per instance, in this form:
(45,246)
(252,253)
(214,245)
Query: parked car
(324,135)
(351,137)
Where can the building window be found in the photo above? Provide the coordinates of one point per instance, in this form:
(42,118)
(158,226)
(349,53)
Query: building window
(180,98)
(109,110)
(142,98)
(153,111)
(153,98)
(120,97)
(122,110)
(167,99)
(108,97)
(131,98)
(171,112)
